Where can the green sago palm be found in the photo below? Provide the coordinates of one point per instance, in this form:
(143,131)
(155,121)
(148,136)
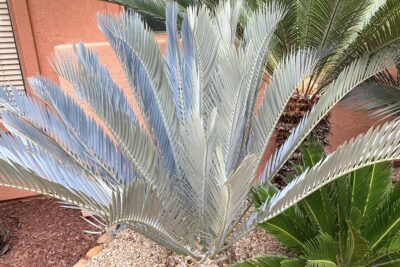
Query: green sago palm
(181,175)
(354,221)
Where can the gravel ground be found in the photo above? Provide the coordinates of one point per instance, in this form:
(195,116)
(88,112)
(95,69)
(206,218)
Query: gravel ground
(131,249)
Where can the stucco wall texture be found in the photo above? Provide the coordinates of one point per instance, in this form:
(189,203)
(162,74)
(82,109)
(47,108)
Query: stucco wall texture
(44,27)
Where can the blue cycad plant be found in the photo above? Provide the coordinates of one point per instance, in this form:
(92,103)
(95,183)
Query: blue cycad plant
(181,174)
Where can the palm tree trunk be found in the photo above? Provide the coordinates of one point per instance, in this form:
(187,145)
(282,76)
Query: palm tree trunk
(298,106)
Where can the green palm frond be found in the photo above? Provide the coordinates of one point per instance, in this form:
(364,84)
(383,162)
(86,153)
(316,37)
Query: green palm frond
(384,226)
(155,8)
(365,219)
(376,186)
(290,229)
(356,249)
(267,261)
(379,32)
(391,260)
(321,251)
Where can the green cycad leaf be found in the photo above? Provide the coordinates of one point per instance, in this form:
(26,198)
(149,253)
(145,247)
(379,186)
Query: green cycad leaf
(287,230)
(155,8)
(321,251)
(357,247)
(386,224)
(320,263)
(319,206)
(342,194)
(267,261)
(328,22)
(295,262)
(312,153)
(391,260)
(376,186)
(381,31)
(259,195)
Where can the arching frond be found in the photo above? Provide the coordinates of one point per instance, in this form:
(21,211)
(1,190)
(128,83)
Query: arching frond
(154,213)
(94,85)
(140,56)
(84,129)
(256,39)
(356,73)
(378,145)
(300,65)
(18,177)
(380,32)
(17,151)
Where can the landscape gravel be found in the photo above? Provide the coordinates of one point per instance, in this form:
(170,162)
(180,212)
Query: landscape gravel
(132,249)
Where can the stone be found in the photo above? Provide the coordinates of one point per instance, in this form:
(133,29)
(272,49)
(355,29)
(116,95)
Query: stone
(81,263)
(105,238)
(94,251)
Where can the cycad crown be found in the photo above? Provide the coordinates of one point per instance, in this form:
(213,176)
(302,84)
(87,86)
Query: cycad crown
(180,176)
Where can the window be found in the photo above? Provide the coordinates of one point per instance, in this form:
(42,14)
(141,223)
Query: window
(10,68)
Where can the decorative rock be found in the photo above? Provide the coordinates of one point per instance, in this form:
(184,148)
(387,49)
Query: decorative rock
(189,261)
(81,263)
(94,251)
(105,238)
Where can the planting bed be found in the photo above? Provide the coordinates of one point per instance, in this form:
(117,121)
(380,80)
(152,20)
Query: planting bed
(131,249)
(43,233)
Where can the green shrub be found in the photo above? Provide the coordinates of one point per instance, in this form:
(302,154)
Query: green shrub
(354,221)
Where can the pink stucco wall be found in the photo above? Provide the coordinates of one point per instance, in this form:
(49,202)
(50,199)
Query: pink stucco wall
(58,22)
(41,25)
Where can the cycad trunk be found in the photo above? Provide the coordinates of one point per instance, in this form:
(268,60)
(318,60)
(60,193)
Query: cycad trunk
(298,106)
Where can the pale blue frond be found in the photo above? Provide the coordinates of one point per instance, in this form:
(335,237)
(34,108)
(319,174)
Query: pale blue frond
(58,170)
(140,56)
(85,130)
(35,113)
(173,62)
(110,104)
(206,51)
(187,57)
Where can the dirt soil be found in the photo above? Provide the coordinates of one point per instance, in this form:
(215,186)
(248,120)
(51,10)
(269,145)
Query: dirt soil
(43,233)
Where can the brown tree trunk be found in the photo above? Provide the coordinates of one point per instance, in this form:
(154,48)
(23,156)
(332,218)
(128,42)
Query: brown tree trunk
(297,108)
